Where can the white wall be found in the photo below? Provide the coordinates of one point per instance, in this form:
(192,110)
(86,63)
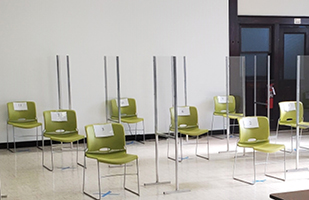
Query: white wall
(273,7)
(32,32)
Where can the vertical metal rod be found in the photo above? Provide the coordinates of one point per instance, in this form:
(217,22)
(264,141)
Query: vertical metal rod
(185,86)
(185,79)
(156,124)
(118,89)
(69,82)
(255,103)
(243,72)
(297,110)
(106,89)
(174,76)
(228,102)
(156,116)
(58,80)
(268,88)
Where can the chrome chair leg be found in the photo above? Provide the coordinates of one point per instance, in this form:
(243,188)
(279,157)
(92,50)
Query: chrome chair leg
(99,181)
(196,148)
(52,159)
(37,137)
(284,168)
(137,174)
(234,169)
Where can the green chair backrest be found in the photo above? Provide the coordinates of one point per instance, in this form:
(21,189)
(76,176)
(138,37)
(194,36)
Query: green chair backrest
(289,116)
(189,120)
(26,115)
(52,126)
(221,107)
(126,111)
(117,141)
(261,133)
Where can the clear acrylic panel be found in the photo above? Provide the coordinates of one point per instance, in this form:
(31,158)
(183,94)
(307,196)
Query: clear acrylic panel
(236,83)
(111,81)
(304,84)
(165,85)
(261,65)
(63,82)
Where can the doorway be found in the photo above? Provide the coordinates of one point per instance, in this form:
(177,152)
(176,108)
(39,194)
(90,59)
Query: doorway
(293,41)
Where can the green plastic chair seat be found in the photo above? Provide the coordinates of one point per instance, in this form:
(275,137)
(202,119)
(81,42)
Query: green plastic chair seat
(129,120)
(188,125)
(257,138)
(303,125)
(219,113)
(234,115)
(252,144)
(193,131)
(128,115)
(61,131)
(269,148)
(117,158)
(26,125)
(292,124)
(64,137)
(23,117)
(108,150)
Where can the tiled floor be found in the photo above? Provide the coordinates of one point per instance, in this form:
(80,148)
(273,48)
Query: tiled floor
(24,178)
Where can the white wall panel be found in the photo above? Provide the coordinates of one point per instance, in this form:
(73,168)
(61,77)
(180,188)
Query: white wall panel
(32,32)
(273,7)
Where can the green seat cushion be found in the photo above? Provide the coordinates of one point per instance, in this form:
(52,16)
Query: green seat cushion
(116,158)
(235,115)
(252,144)
(64,137)
(292,124)
(269,148)
(219,113)
(304,125)
(26,124)
(192,131)
(130,120)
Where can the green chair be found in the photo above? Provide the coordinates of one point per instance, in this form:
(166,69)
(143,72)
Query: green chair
(22,115)
(254,134)
(188,125)
(220,110)
(60,126)
(288,118)
(128,114)
(109,149)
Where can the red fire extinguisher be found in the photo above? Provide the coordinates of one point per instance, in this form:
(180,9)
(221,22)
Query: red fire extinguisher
(272,93)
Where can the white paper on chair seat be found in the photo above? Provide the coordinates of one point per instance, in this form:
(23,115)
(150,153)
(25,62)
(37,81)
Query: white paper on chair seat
(289,106)
(123,102)
(104,130)
(20,106)
(59,116)
(183,111)
(251,122)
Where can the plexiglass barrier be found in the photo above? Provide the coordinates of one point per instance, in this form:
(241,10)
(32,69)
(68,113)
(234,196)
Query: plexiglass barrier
(235,86)
(304,85)
(302,89)
(169,91)
(236,73)
(63,81)
(112,83)
(165,89)
(261,80)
